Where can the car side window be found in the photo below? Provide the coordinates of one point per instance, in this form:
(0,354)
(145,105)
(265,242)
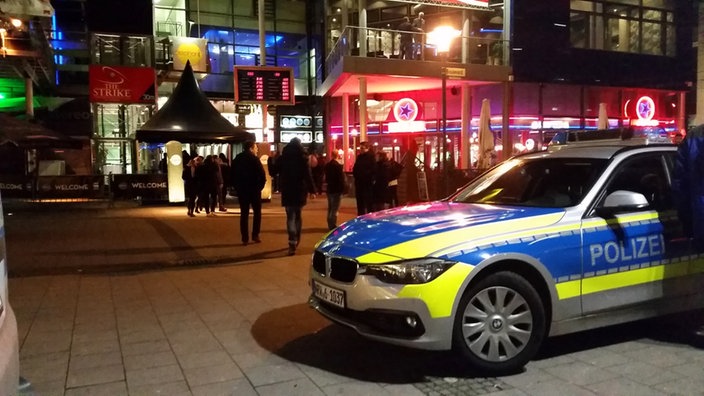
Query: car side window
(644,174)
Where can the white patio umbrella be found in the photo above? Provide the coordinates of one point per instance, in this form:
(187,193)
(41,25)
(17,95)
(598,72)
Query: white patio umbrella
(486,137)
(603,122)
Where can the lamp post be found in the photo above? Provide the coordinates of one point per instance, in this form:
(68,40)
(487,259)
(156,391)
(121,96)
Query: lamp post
(441,37)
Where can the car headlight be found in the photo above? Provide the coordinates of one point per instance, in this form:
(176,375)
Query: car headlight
(414,271)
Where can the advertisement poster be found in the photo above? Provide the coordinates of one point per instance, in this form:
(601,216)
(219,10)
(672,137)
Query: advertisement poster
(189,49)
(121,84)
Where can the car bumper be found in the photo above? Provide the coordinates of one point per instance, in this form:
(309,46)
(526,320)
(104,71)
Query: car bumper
(375,311)
(9,353)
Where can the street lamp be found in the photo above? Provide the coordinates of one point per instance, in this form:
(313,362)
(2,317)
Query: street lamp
(441,37)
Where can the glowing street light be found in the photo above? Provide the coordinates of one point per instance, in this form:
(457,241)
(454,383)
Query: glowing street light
(442,37)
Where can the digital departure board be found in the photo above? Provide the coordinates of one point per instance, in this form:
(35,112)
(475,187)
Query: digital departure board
(264,85)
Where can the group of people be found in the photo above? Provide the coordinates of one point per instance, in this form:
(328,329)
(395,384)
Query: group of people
(375,180)
(411,37)
(205,181)
(297,175)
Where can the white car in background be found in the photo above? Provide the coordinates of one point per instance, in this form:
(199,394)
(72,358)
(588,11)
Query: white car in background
(9,345)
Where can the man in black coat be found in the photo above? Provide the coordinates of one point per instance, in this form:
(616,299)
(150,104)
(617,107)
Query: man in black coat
(248,178)
(335,178)
(406,39)
(363,172)
(295,183)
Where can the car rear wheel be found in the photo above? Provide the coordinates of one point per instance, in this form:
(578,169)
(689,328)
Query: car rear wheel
(500,323)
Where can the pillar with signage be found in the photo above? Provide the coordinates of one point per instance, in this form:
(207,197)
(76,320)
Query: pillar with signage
(263,149)
(174,170)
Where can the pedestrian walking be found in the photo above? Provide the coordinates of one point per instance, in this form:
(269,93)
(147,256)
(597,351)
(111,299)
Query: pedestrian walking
(207,177)
(336,187)
(249,178)
(363,172)
(295,182)
(190,184)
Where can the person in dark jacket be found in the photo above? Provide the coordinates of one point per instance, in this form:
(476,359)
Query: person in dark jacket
(363,172)
(395,172)
(406,42)
(273,170)
(382,177)
(190,183)
(248,177)
(335,178)
(295,183)
(207,177)
(318,172)
(688,185)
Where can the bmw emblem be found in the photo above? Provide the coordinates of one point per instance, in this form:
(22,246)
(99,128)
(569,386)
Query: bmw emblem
(496,324)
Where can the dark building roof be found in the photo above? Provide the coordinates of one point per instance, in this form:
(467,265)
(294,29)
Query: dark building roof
(189,117)
(31,135)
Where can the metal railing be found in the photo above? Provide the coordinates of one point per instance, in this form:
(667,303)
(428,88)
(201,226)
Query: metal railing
(386,43)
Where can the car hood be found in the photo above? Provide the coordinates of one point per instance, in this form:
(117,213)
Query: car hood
(423,229)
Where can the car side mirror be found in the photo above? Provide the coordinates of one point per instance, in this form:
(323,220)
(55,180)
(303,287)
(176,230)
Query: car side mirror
(622,201)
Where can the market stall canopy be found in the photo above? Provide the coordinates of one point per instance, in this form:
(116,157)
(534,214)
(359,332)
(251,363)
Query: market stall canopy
(189,117)
(31,135)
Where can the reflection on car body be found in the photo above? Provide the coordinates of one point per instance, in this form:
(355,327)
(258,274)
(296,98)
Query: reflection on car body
(543,244)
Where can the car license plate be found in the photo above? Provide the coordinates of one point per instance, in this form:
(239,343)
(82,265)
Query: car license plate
(329,294)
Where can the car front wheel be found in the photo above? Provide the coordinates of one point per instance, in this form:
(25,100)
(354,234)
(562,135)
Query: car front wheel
(500,323)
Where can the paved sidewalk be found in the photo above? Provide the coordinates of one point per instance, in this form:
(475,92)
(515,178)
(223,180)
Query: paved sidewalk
(146,301)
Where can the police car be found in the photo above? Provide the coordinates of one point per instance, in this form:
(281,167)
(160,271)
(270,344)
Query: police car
(544,244)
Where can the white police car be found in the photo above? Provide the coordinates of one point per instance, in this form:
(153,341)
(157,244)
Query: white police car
(543,244)
(9,347)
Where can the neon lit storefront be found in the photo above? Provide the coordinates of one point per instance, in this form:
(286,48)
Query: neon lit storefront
(537,110)
(530,96)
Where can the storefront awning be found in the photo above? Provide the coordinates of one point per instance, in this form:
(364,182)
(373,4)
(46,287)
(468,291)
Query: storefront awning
(189,117)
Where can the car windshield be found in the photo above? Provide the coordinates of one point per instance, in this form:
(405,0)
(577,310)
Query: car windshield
(537,182)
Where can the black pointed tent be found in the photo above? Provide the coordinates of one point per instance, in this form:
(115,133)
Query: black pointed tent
(189,117)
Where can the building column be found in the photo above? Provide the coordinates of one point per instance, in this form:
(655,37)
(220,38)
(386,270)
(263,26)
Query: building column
(506,138)
(344,17)
(362,109)
(346,131)
(262,33)
(466,130)
(29,97)
(681,123)
(362,8)
(466,28)
(699,118)
(507,33)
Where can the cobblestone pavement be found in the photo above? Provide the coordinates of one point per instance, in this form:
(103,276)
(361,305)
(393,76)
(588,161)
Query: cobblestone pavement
(142,300)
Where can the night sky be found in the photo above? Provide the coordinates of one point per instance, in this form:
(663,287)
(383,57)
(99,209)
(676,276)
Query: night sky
(120,16)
